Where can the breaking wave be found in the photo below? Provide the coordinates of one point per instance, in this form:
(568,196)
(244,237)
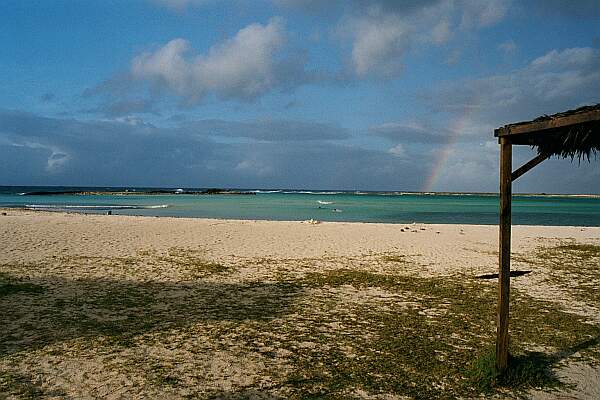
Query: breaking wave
(90,207)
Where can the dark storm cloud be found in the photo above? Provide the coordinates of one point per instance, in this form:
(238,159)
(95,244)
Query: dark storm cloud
(267,130)
(410,133)
(125,107)
(40,150)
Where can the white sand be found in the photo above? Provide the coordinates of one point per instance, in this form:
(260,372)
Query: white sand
(28,237)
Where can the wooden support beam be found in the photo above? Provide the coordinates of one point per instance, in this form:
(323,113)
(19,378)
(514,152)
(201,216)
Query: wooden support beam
(527,166)
(504,254)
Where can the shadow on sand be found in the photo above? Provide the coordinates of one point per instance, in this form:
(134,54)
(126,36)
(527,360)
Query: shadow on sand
(40,312)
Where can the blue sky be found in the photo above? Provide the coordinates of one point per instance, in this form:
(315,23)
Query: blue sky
(369,95)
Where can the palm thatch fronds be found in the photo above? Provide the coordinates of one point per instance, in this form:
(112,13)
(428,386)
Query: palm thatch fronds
(569,134)
(578,141)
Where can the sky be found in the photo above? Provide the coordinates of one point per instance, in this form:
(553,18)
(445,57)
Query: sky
(307,94)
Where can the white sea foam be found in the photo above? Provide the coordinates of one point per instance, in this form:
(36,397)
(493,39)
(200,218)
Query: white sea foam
(91,207)
(324,202)
(310,192)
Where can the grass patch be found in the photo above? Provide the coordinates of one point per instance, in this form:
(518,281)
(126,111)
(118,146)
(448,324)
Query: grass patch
(315,335)
(162,375)
(23,387)
(396,258)
(120,311)
(117,299)
(339,277)
(194,262)
(583,251)
(573,266)
(525,371)
(420,343)
(10,286)
(188,263)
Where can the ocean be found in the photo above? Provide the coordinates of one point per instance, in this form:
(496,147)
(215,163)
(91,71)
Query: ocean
(298,205)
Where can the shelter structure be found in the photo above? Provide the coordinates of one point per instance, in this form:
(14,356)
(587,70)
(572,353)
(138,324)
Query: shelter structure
(570,134)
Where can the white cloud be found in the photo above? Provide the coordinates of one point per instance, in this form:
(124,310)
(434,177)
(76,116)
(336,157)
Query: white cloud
(255,167)
(568,58)
(56,159)
(398,150)
(462,136)
(558,80)
(508,47)
(481,14)
(441,32)
(166,64)
(243,67)
(179,5)
(383,32)
(378,43)
(554,82)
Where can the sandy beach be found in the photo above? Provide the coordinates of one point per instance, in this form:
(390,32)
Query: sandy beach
(145,307)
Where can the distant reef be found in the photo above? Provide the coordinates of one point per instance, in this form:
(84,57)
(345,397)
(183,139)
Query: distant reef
(138,193)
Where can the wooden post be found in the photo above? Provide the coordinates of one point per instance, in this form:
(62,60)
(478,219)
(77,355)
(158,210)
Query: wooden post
(504,254)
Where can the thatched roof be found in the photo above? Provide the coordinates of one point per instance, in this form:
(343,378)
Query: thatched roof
(570,134)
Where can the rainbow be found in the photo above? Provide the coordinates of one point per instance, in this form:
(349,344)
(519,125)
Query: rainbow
(456,129)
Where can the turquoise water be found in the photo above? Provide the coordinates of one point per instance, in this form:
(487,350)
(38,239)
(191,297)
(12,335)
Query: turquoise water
(325,206)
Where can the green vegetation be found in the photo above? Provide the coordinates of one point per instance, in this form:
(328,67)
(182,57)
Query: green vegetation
(583,251)
(21,386)
(396,258)
(9,286)
(574,267)
(163,375)
(193,261)
(531,370)
(420,343)
(327,334)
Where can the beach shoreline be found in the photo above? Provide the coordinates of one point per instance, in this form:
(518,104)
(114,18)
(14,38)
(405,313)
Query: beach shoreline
(114,212)
(365,236)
